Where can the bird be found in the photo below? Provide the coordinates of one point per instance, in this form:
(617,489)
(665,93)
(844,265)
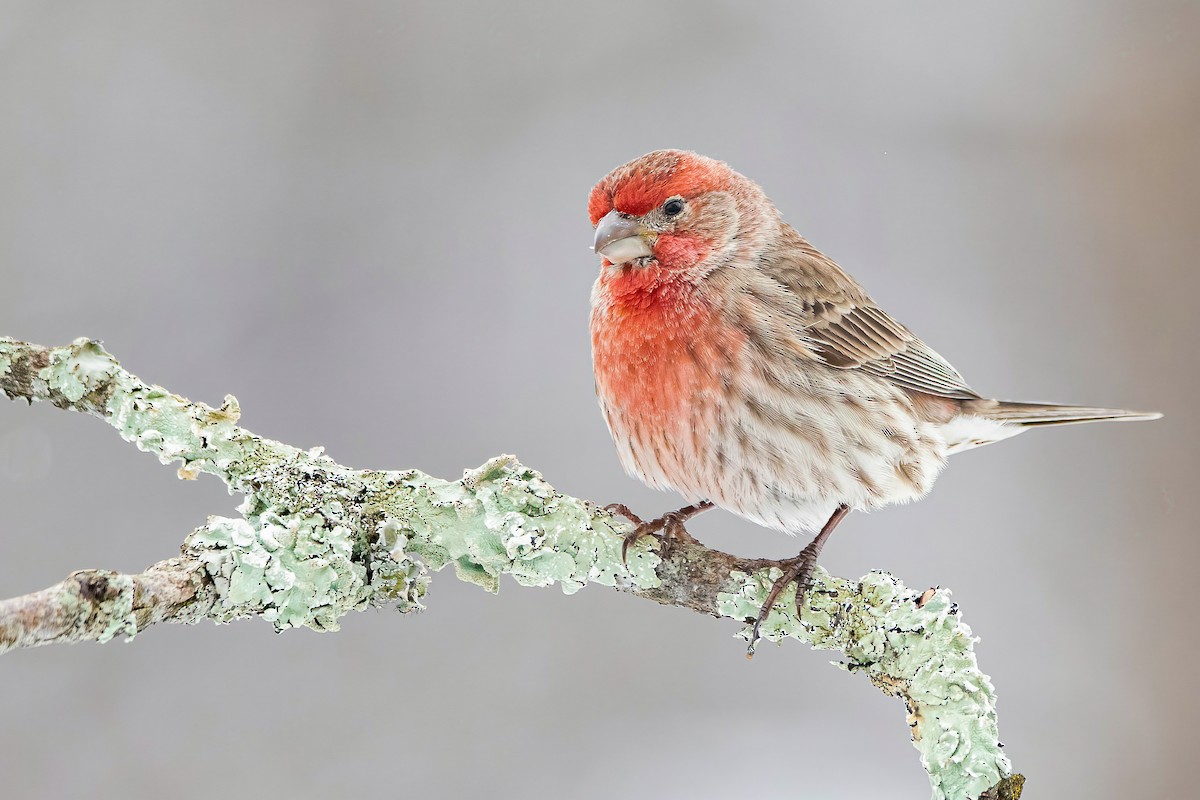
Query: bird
(740,367)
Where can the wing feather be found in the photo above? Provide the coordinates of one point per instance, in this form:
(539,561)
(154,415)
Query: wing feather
(865,337)
(840,324)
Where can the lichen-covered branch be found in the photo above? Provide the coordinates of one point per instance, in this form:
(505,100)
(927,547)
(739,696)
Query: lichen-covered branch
(316,539)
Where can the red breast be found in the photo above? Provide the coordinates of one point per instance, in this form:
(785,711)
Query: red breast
(659,347)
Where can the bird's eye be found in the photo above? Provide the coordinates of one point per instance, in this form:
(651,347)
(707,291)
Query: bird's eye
(673,207)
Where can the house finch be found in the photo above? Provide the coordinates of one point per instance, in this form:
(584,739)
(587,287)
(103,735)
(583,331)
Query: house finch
(739,366)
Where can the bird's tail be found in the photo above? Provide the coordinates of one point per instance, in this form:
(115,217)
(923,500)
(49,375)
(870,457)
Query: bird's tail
(1032,415)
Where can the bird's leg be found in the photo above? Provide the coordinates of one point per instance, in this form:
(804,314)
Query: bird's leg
(671,524)
(798,570)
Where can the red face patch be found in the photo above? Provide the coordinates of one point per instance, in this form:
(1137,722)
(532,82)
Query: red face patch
(647,182)
(599,203)
(681,251)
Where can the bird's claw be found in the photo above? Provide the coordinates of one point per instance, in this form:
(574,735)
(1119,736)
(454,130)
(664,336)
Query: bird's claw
(642,528)
(798,570)
(668,528)
(624,511)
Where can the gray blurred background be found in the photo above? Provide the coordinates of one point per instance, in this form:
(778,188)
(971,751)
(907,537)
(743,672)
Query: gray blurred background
(367,221)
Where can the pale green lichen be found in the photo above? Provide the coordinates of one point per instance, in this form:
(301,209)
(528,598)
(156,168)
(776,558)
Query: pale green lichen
(292,570)
(78,370)
(907,644)
(504,518)
(118,611)
(301,568)
(173,428)
(396,575)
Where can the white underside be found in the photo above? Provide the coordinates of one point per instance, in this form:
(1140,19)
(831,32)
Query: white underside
(803,488)
(967,431)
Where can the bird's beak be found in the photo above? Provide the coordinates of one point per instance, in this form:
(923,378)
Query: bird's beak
(620,238)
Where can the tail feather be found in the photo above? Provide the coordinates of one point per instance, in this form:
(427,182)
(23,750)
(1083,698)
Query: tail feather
(1030,415)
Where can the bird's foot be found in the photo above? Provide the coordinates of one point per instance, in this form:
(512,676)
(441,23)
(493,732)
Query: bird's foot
(798,570)
(668,528)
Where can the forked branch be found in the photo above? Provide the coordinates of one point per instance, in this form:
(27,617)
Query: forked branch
(316,539)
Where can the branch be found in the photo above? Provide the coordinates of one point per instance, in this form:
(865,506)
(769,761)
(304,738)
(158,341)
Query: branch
(316,539)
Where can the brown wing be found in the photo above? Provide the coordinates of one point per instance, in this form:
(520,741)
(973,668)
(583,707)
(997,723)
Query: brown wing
(846,330)
(865,337)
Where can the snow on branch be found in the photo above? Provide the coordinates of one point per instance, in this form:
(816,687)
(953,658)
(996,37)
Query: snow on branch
(316,539)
